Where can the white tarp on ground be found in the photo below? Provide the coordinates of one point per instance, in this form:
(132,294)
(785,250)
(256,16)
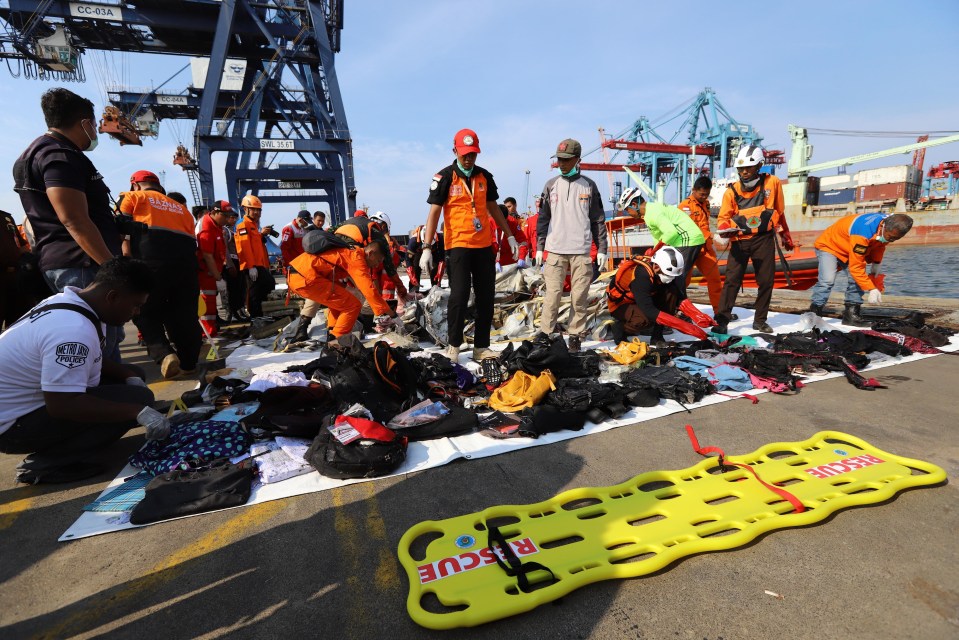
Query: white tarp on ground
(433,453)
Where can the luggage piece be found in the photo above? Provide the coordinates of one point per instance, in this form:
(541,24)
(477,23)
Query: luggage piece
(377,452)
(465,577)
(182,493)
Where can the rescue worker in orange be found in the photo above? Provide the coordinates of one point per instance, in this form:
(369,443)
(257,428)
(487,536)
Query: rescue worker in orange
(363,230)
(465,194)
(752,215)
(211,261)
(852,244)
(644,295)
(291,236)
(318,278)
(697,207)
(251,249)
(168,320)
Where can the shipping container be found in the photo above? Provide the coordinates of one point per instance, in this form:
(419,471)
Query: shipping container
(812,191)
(892,191)
(836,196)
(833,183)
(904,173)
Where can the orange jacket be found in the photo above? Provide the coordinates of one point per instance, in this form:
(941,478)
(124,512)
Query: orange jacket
(340,263)
(699,213)
(461,209)
(749,207)
(619,291)
(158,212)
(852,240)
(250,245)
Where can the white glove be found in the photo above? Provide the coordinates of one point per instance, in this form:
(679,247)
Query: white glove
(874,296)
(399,327)
(157,425)
(521,263)
(499,268)
(384,323)
(136,382)
(253,272)
(221,285)
(426,260)
(601,260)
(720,242)
(514,247)
(876,267)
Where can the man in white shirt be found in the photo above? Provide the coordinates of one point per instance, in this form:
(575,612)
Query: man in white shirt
(60,400)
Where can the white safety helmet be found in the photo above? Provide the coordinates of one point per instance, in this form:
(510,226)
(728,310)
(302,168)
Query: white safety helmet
(381,217)
(750,155)
(670,263)
(628,196)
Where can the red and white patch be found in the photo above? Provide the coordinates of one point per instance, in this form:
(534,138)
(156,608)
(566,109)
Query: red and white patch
(470,560)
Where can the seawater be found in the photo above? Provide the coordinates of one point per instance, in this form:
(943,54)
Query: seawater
(918,270)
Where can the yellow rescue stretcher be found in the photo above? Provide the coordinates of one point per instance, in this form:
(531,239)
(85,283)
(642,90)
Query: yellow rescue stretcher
(505,560)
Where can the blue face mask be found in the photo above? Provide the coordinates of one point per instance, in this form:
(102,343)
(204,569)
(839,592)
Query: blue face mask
(572,172)
(467,173)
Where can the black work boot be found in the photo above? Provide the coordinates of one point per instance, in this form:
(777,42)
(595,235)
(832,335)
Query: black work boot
(656,337)
(817,309)
(302,329)
(851,316)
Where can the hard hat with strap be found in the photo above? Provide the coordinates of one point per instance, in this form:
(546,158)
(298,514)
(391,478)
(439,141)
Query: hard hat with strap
(251,201)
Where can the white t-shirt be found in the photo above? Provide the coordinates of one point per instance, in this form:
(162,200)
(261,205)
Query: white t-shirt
(57,351)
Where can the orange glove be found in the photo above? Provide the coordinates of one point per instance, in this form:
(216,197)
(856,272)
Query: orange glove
(673,322)
(697,316)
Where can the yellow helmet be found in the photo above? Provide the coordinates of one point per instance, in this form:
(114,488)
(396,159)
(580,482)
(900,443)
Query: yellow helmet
(252,202)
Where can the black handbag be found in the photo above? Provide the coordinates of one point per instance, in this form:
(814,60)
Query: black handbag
(218,485)
(376,453)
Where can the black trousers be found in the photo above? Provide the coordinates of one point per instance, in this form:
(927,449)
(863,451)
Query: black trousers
(54,443)
(466,269)
(689,255)
(761,250)
(259,290)
(168,320)
(235,290)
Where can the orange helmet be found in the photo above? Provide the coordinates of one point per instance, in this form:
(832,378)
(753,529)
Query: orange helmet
(252,202)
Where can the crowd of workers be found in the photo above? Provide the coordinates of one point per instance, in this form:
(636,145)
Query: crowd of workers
(87,264)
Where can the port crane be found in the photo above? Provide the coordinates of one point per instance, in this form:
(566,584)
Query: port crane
(706,143)
(794,192)
(264,91)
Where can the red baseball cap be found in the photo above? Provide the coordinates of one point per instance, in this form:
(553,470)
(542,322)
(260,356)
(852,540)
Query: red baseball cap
(144,176)
(223,205)
(466,141)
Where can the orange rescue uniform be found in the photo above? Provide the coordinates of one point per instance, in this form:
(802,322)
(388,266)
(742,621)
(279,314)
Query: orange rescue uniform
(317,277)
(706,261)
(852,240)
(466,221)
(767,196)
(250,245)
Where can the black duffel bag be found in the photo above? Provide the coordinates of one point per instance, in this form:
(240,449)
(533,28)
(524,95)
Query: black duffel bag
(218,485)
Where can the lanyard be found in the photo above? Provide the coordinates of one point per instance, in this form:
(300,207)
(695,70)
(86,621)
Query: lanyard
(469,190)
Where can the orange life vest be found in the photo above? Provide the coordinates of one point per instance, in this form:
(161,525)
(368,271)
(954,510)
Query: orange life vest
(752,205)
(250,246)
(618,292)
(466,222)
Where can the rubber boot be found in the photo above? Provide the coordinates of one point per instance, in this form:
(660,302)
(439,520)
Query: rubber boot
(817,309)
(852,318)
(302,329)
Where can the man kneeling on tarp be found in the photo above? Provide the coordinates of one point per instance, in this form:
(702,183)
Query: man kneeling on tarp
(323,277)
(60,400)
(644,295)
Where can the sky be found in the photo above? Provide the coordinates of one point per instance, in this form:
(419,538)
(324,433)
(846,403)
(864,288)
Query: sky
(525,75)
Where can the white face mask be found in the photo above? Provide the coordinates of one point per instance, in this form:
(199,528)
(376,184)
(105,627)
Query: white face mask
(94,140)
(666,279)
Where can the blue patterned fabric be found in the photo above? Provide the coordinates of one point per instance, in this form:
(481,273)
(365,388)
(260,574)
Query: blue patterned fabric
(191,445)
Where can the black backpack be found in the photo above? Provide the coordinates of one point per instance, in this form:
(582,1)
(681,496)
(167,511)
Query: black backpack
(377,452)
(319,241)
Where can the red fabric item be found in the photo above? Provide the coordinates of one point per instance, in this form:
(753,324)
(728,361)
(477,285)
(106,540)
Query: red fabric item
(697,316)
(688,328)
(782,493)
(368,428)
(529,228)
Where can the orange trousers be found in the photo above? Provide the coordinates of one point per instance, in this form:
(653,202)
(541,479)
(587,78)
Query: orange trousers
(708,265)
(342,307)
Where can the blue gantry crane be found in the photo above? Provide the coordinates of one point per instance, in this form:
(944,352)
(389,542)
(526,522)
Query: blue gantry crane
(265,90)
(705,143)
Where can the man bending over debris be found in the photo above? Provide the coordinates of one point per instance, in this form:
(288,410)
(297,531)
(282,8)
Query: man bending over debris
(60,400)
(644,295)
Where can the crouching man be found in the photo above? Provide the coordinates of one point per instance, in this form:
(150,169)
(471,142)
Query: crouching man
(644,295)
(61,401)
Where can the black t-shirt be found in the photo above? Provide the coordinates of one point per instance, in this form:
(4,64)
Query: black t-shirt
(53,161)
(648,290)
(440,186)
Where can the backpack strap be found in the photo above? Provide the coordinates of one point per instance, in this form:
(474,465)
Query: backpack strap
(92,317)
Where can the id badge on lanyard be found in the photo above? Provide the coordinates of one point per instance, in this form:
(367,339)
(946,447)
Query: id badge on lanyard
(477,224)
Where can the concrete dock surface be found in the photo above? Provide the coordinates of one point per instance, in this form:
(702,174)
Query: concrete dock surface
(324,565)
